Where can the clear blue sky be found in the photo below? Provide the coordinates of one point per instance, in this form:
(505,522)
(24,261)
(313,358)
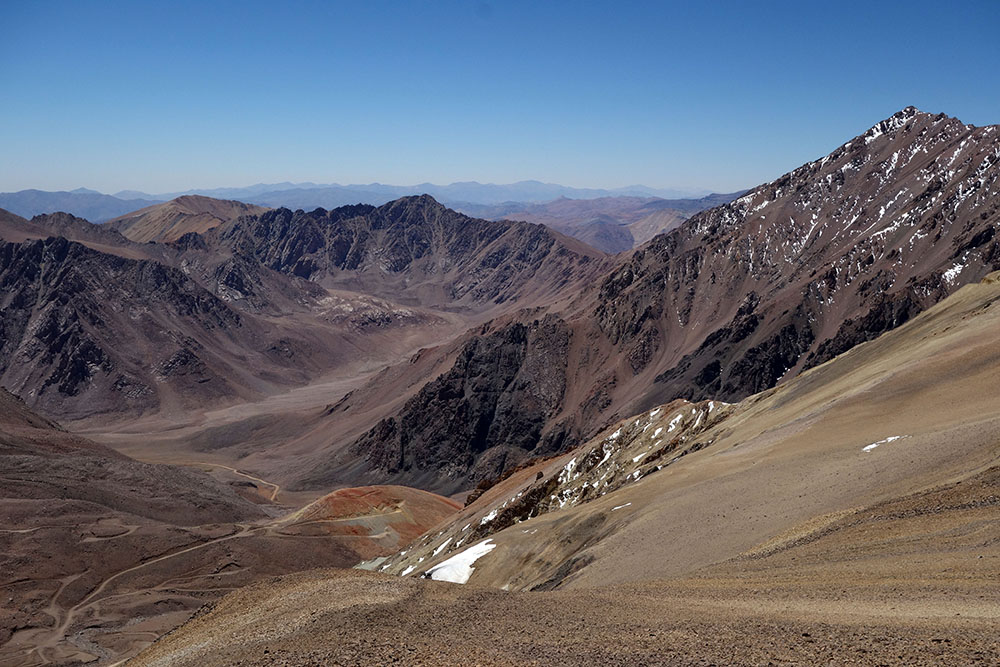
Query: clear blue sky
(165,96)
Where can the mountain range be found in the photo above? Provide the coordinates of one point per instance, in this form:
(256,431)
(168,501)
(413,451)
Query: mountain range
(379,193)
(98,207)
(81,202)
(668,421)
(737,299)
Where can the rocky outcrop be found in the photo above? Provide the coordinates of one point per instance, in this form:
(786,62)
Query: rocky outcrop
(490,411)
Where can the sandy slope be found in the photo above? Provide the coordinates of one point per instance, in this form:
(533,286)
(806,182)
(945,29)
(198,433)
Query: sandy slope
(170,220)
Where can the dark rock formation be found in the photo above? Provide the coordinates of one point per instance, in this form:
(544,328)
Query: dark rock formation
(488,413)
(410,247)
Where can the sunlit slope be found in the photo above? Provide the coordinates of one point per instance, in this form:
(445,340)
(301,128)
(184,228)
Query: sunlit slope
(691,485)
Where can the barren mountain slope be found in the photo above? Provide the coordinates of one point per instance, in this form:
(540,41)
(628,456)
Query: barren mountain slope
(101,554)
(657,222)
(846,516)
(86,332)
(807,266)
(173,219)
(343,617)
(782,467)
(15,229)
(416,251)
(734,301)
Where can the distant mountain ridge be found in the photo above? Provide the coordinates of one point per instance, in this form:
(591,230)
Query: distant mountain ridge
(610,224)
(81,202)
(325,195)
(411,245)
(98,207)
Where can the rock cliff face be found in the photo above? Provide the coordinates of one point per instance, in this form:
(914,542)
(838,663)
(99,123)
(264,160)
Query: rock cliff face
(490,411)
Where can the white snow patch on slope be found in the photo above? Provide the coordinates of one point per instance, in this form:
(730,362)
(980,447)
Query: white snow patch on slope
(953,272)
(441,548)
(674,422)
(458,568)
(618,507)
(891,438)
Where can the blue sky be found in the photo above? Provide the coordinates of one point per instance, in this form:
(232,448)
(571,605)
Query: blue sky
(173,95)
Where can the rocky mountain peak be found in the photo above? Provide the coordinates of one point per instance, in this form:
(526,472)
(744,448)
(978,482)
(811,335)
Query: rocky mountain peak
(745,295)
(410,244)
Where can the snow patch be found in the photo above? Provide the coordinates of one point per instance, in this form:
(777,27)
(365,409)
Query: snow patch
(953,272)
(458,568)
(444,545)
(891,438)
(674,422)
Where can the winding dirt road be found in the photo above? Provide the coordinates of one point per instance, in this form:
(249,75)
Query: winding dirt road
(64,620)
(275,487)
